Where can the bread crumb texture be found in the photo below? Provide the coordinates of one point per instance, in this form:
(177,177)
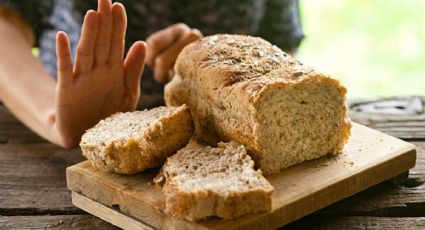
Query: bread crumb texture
(242,88)
(133,141)
(207,181)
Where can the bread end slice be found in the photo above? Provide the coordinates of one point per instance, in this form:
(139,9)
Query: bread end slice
(130,142)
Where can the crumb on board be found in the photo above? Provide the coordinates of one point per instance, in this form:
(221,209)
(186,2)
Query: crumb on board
(60,222)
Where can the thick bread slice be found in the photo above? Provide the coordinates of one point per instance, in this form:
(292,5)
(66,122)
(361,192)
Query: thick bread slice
(131,142)
(243,88)
(206,181)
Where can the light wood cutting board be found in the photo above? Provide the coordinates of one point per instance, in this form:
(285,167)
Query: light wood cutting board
(133,202)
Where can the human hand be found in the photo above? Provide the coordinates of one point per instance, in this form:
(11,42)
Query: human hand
(164,47)
(101,82)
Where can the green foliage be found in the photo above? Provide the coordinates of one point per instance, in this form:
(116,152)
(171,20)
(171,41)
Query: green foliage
(376,48)
(35,51)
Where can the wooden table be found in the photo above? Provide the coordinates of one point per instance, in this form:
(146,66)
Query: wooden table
(33,192)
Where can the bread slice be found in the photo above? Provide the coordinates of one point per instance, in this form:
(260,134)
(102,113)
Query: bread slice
(131,142)
(245,89)
(206,181)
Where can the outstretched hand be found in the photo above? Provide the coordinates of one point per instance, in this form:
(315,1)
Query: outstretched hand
(101,82)
(165,45)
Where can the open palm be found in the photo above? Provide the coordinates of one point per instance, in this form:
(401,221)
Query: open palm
(101,82)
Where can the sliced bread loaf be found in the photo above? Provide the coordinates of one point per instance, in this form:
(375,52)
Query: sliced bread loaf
(245,89)
(131,142)
(199,182)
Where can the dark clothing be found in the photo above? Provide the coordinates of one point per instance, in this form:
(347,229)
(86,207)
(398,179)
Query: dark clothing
(275,20)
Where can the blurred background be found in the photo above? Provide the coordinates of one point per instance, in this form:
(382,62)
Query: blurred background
(376,48)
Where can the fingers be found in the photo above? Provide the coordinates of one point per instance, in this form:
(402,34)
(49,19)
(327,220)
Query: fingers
(103,40)
(165,61)
(85,49)
(64,61)
(160,40)
(133,65)
(119,26)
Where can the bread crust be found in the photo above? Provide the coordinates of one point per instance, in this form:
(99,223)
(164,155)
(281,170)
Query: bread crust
(224,79)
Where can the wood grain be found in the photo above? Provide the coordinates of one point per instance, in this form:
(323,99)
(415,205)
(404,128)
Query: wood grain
(74,222)
(32,179)
(358,222)
(369,158)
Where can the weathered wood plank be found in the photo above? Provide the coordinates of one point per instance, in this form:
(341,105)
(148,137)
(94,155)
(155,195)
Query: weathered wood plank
(32,179)
(358,222)
(386,199)
(13,131)
(382,200)
(76,222)
(403,117)
(341,222)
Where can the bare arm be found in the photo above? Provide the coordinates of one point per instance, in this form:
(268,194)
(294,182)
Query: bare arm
(26,88)
(100,83)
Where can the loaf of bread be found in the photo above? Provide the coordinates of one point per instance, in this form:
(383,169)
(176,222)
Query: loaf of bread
(131,142)
(244,89)
(199,182)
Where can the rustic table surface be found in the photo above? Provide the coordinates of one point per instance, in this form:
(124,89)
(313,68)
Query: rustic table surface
(33,192)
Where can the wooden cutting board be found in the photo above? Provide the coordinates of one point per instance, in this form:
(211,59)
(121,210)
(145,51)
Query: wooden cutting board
(133,202)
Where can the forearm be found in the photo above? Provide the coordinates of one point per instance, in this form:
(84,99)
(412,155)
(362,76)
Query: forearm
(26,88)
